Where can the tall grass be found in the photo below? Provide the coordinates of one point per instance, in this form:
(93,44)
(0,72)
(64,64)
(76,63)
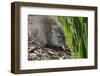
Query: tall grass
(76,33)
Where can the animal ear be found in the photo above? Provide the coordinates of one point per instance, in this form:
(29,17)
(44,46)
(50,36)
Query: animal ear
(54,28)
(52,22)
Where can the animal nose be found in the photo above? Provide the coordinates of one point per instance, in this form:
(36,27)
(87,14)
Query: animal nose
(61,42)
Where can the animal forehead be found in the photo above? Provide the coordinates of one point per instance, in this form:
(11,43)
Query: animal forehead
(56,28)
(57,25)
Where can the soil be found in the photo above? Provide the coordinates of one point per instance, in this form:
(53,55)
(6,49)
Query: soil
(36,52)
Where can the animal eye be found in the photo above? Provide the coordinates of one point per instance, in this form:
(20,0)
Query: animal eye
(59,36)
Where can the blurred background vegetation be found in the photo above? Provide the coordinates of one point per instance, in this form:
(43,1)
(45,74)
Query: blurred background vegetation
(76,33)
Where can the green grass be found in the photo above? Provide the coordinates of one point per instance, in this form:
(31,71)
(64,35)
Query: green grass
(76,34)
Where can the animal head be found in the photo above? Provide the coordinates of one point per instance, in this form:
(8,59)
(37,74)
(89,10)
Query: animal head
(58,38)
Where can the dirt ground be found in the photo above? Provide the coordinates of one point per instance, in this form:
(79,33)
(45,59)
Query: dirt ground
(36,52)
